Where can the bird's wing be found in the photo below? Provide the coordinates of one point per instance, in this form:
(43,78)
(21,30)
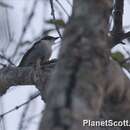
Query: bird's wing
(27,54)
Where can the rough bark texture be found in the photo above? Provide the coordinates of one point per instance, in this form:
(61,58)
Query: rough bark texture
(38,76)
(118,32)
(86,83)
(10,76)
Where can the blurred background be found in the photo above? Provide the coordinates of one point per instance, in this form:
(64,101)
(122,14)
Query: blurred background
(21,23)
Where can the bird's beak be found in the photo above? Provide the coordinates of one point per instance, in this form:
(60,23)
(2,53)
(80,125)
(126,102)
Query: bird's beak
(55,38)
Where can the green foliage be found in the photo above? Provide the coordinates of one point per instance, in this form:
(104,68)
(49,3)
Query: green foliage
(58,22)
(117,56)
(126,66)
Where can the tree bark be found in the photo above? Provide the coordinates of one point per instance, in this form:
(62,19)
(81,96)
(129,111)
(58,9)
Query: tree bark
(86,82)
(39,76)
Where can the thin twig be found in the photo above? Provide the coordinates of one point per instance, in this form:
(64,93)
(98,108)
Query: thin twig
(25,28)
(125,35)
(53,15)
(21,123)
(2,121)
(124,61)
(127,59)
(5,5)
(69,3)
(21,105)
(126,51)
(29,19)
(7,59)
(8,27)
(118,21)
(3,65)
(30,119)
(62,7)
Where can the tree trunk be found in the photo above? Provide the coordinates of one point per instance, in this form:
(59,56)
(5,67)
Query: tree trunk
(86,83)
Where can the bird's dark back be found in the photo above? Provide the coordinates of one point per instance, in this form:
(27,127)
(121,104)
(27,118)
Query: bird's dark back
(38,50)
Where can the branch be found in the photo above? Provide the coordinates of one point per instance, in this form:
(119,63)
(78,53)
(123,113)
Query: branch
(118,21)
(23,116)
(5,5)
(12,76)
(7,59)
(62,8)
(53,15)
(69,2)
(125,36)
(19,106)
(25,27)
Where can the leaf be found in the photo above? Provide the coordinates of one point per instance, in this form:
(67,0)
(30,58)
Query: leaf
(126,66)
(118,56)
(58,22)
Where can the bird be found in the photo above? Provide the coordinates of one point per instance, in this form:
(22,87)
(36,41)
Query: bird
(41,50)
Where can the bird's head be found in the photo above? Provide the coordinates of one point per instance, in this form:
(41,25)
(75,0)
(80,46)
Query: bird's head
(49,39)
